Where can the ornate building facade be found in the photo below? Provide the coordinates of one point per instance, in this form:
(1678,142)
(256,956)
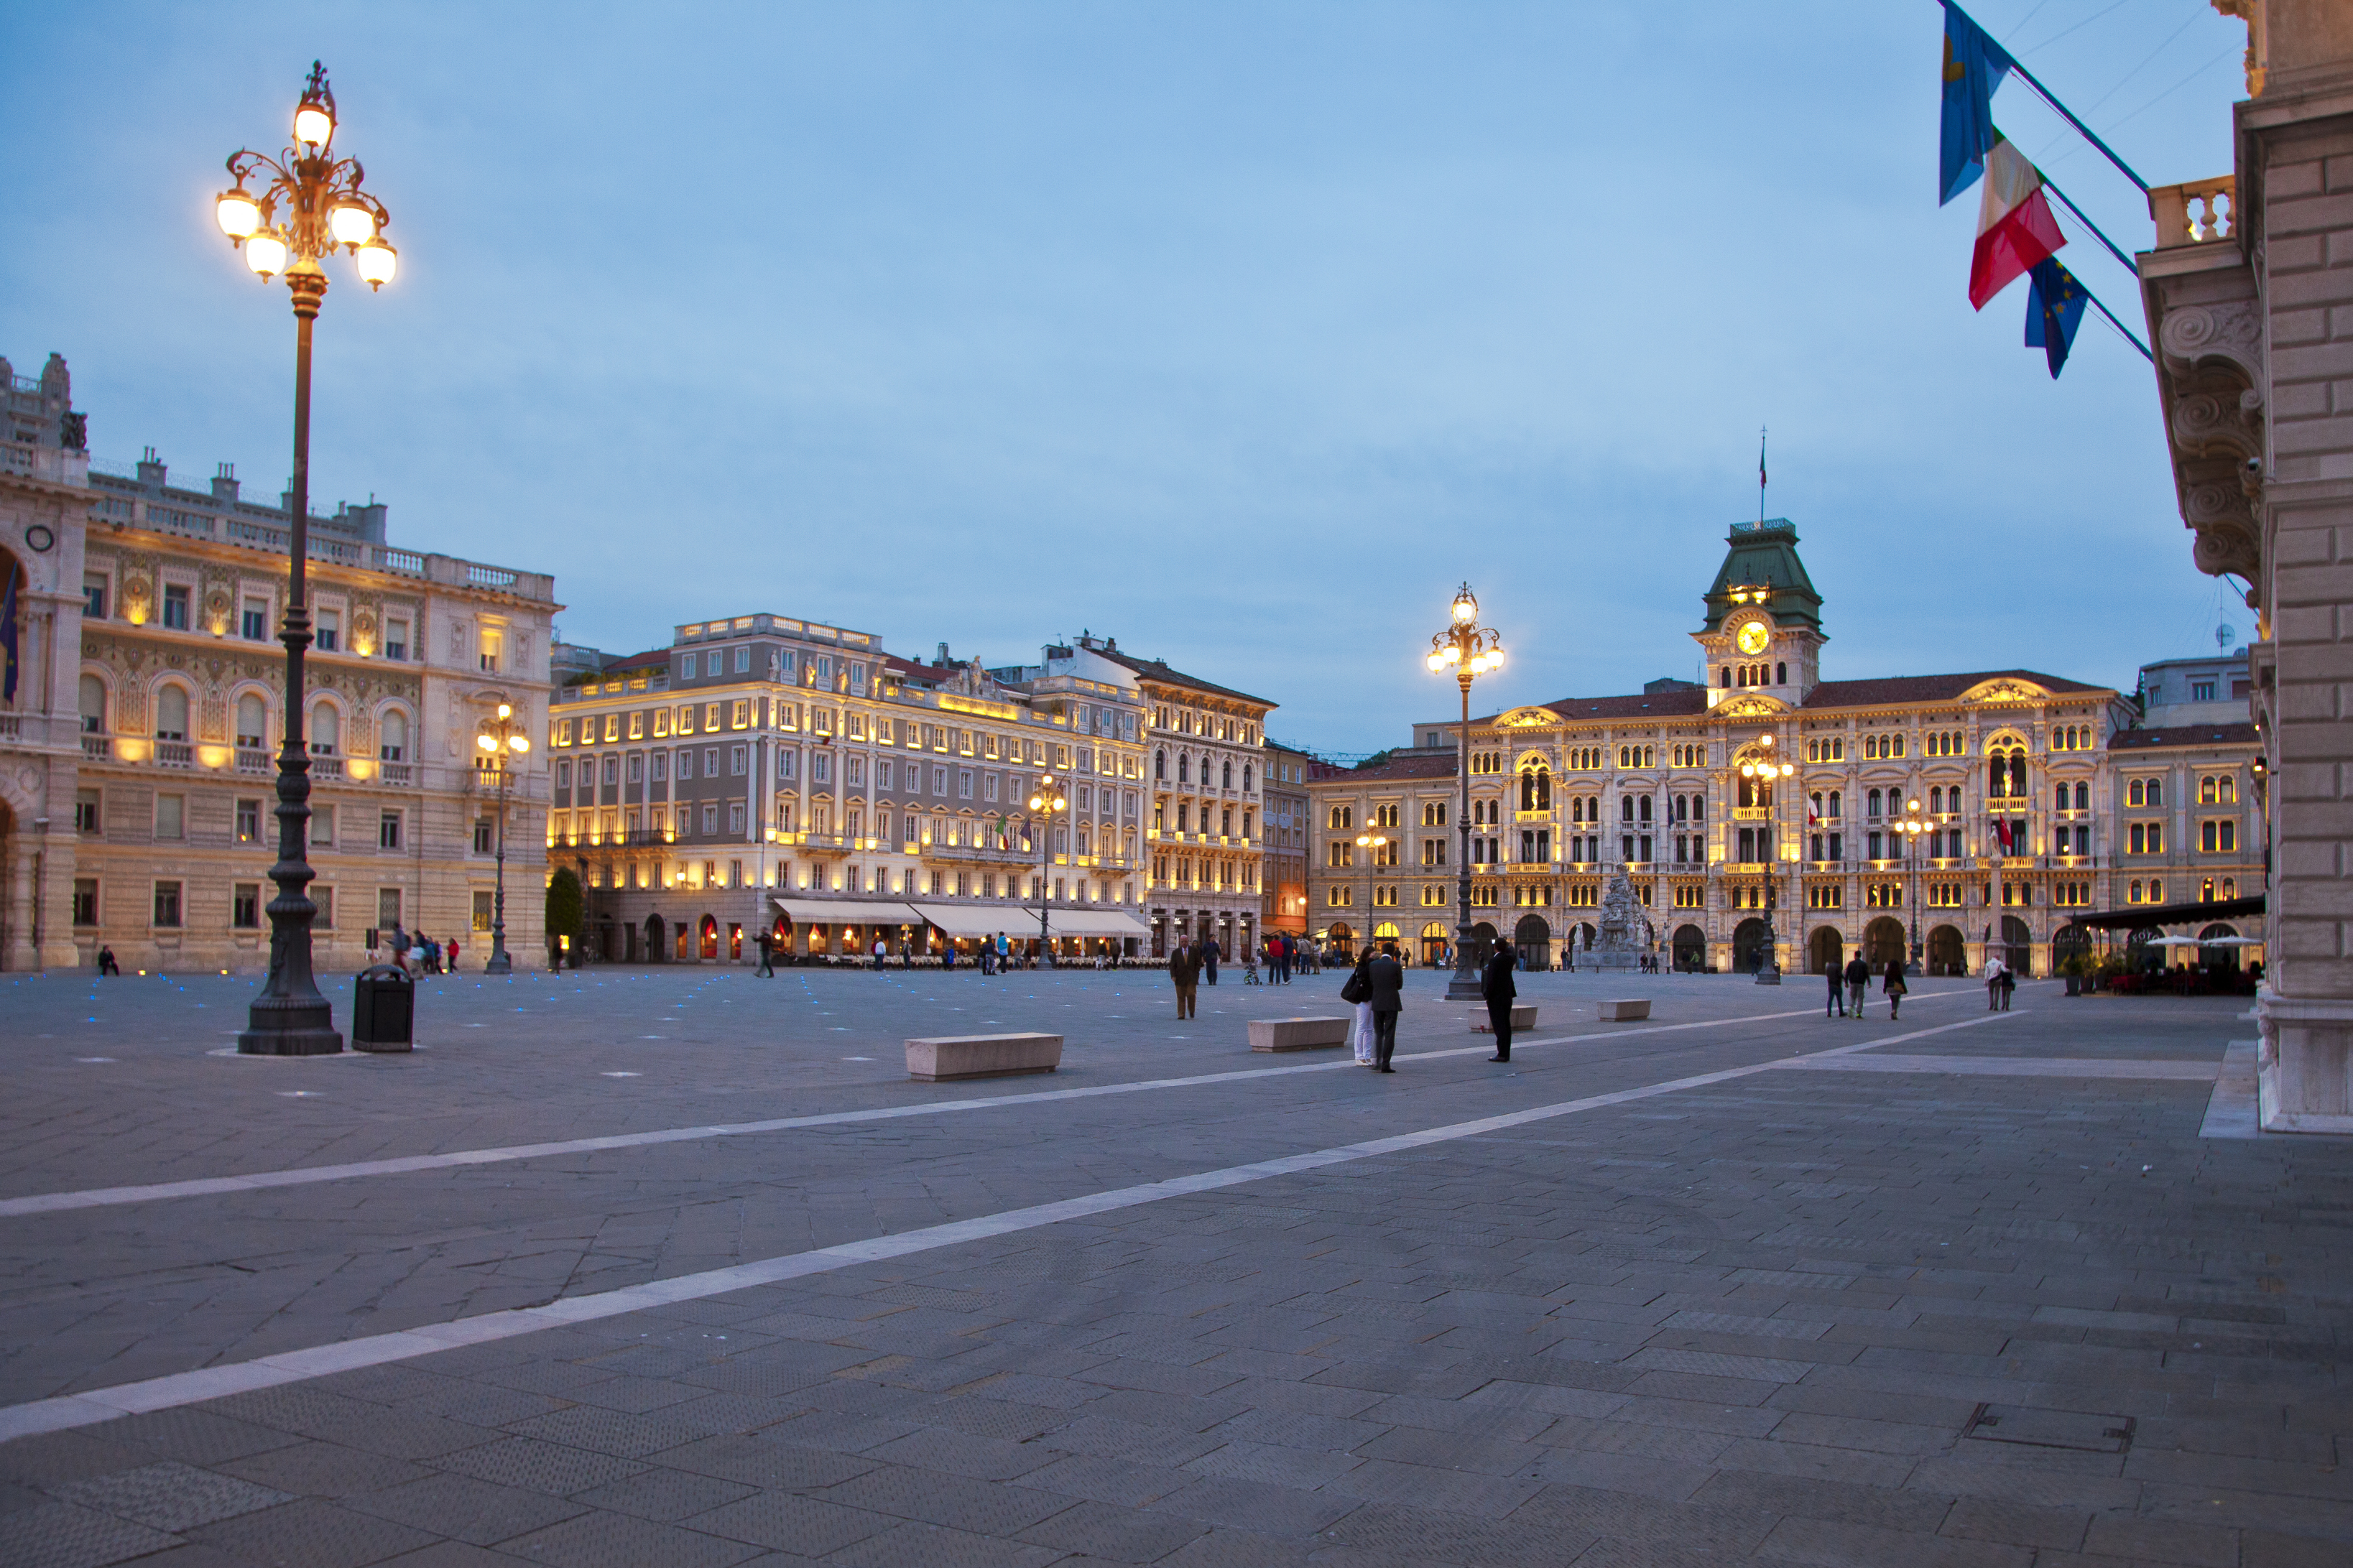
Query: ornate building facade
(763,773)
(138,753)
(1769,812)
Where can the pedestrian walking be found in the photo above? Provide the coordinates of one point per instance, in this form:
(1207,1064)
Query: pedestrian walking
(1994,970)
(1209,956)
(2009,984)
(453,955)
(1357,991)
(882,951)
(1497,986)
(1185,973)
(1858,982)
(1838,990)
(1385,978)
(106,964)
(399,948)
(1894,988)
(766,942)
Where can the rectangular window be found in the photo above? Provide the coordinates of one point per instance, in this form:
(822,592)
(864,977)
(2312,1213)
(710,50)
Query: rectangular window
(86,818)
(709,718)
(253,622)
(329,633)
(388,830)
(93,596)
(387,907)
(171,817)
(484,843)
(396,640)
(821,768)
(740,717)
(638,725)
(739,761)
(249,822)
(2201,692)
(734,816)
(493,645)
(85,901)
(245,906)
(612,726)
(710,818)
(483,910)
(2218,837)
(167,904)
(322,825)
(710,761)
(176,618)
(743,665)
(686,666)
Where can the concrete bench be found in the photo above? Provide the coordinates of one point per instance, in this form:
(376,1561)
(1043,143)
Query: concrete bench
(1624,1012)
(1297,1034)
(946,1058)
(1524,1016)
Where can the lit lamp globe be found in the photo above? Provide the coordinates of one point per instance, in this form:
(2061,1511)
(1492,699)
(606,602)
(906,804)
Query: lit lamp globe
(351,223)
(1466,608)
(265,252)
(237,212)
(314,123)
(377,262)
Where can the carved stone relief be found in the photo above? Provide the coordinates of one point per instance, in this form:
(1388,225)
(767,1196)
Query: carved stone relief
(2213,363)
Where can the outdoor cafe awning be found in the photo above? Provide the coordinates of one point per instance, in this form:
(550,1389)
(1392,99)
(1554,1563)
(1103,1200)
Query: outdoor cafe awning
(968,921)
(2173,914)
(1083,921)
(845,912)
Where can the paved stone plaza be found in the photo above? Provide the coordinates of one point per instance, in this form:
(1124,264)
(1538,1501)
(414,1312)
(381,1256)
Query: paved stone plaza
(675,1267)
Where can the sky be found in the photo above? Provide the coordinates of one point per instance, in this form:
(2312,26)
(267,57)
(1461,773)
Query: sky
(1241,333)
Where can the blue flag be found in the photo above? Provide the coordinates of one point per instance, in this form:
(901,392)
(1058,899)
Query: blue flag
(2054,308)
(8,638)
(1974,67)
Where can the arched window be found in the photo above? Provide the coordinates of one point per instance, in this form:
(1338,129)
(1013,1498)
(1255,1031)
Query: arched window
(1183,768)
(252,715)
(326,730)
(2060,801)
(2083,797)
(93,705)
(1935,798)
(1838,798)
(1225,775)
(1160,766)
(2018,774)
(1699,807)
(2132,795)
(1726,673)
(172,714)
(392,736)
(1246,778)
(1871,804)
(1576,808)
(1781,675)
(1643,810)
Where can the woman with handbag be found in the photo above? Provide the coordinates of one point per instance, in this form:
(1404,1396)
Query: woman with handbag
(1895,988)
(1358,992)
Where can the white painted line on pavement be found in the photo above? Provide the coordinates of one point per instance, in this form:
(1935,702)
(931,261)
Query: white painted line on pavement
(177,1389)
(2017,1067)
(304,1176)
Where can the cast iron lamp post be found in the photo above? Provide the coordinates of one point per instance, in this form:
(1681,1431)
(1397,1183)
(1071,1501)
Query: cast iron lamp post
(1910,827)
(1470,650)
(1765,772)
(307,202)
(1044,802)
(498,741)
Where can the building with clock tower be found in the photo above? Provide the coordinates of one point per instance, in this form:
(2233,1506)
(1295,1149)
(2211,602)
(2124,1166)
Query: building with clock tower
(1764,629)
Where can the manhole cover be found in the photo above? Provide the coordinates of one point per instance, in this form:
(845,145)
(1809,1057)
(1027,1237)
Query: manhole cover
(2086,1433)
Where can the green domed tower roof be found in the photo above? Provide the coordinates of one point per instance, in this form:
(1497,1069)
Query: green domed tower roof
(1761,566)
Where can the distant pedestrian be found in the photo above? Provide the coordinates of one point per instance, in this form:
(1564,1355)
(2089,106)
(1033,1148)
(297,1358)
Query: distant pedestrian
(106,964)
(1386,976)
(1497,986)
(1185,973)
(1837,1004)
(1209,956)
(1994,970)
(2009,984)
(881,952)
(453,955)
(1894,988)
(399,948)
(766,942)
(1858,982)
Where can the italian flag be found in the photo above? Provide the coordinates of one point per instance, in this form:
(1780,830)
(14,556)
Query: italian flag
(2015,228)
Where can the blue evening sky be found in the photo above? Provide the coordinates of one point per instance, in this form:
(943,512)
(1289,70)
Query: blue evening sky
(1239,332)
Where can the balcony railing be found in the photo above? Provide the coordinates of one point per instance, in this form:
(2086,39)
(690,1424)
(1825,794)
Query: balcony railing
(175,755)
(975,854)
(252,760)
(326,767)
(97,748)
(400,774)
(2197,212)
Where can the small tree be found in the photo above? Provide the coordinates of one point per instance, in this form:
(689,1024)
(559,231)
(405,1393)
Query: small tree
(566,917)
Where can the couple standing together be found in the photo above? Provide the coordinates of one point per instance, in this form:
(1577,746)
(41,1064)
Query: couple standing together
(1376,987)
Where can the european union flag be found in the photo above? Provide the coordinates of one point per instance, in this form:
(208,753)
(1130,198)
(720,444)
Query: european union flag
(2054,308)
(1974,67)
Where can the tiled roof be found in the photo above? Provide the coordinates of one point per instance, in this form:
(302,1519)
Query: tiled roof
(1901,689)
(1659,704)
(1397,770)
(1157,670)
(2183,735)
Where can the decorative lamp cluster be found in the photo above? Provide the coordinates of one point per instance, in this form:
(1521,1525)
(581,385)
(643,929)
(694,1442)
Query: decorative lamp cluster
(1767,768)
(319,194)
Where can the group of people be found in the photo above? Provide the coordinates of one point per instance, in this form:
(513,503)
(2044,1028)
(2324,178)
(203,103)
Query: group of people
(1375,989)
(417,953)
(1851,984)
(1285,952)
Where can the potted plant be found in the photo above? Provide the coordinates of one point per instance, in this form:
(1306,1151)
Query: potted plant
(2074,966)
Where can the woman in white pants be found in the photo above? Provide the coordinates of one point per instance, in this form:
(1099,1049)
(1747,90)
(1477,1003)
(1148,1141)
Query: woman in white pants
(1360,1030)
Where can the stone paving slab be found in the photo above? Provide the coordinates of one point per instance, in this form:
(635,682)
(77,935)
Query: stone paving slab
(1750,1321)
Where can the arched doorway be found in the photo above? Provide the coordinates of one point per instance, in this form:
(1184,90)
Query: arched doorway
(1691,949)
(653,939)
(1826,950)
(2140,954)
(2073,942)
(1533,938)
(1947,954)
(2218,957)
(1748,953)
(710,938)
(1482,942)
(1386,933)
(1342,939)
(1883,945)
(1433,944)
(2018,941)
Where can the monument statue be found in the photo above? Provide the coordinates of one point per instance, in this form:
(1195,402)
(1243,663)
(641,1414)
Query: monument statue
(1617,946)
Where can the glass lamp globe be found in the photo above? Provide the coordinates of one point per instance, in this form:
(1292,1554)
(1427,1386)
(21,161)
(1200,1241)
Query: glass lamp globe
(377,262)
(314,123)
(265,252)
(237,212)
(351,223)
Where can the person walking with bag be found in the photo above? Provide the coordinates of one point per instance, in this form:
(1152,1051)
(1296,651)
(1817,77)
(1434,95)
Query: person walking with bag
(1386,977)
(1357,991)
(1993,973)
(1185,973)
(1858,982)
(1496,985)
(1895,988)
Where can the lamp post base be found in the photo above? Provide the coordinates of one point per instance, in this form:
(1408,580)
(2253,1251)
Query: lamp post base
(286,1027)
(498,963)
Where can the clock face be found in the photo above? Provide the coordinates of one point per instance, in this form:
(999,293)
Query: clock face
(1754,637)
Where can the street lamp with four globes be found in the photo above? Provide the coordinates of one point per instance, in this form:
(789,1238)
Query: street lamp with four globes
(307,202)
(1044,802)
(498,743)
(1764,769)
(1470,650)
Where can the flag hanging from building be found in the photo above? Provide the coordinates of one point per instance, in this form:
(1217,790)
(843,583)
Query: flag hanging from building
(2015,228)
(1974,67)
(8,638)
(2054,308)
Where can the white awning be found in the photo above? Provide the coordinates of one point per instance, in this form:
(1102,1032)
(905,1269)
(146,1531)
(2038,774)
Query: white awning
(980,919)
(1085,920)
(845,912)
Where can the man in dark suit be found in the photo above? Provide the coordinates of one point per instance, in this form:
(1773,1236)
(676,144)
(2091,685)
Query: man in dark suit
(1386,977)
(1185,971)
(1495,985)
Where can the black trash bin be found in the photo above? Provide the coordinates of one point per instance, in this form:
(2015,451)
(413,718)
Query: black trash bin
(384,1010)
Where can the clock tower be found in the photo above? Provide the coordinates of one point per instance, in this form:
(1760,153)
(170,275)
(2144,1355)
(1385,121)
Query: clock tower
(1764,628)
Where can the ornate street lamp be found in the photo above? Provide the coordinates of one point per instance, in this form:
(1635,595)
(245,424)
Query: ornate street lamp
(1374,843)
(1766,771)
(1044,802)
(1910,827)
(1470,650)
(498,741)
(307,202)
